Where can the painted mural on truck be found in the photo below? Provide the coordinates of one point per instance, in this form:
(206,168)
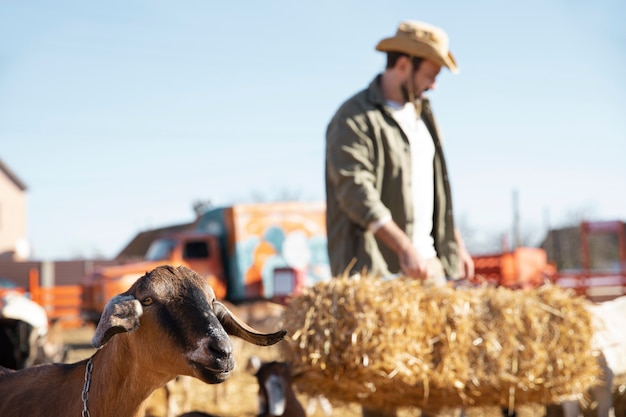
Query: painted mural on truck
(261,238)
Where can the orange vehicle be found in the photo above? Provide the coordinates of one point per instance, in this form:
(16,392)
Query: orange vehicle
(522,268)
(245,251)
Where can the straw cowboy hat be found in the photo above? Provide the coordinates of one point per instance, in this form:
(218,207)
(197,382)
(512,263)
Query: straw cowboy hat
(421,40)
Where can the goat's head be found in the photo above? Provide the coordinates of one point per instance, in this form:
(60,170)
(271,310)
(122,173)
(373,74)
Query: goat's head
(173,315)
(276,397)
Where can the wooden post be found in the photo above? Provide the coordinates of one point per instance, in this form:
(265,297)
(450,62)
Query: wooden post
(585,259)
(47,278)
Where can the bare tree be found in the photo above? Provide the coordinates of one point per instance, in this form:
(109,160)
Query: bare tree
(577,215)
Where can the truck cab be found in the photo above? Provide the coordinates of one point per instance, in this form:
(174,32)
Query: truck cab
(198,251)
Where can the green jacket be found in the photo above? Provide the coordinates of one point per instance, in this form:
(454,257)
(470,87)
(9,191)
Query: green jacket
(368,176)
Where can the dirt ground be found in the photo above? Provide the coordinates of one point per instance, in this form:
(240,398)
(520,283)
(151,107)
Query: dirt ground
(237,397)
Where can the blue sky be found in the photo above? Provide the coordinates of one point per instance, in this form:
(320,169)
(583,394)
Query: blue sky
(118,115)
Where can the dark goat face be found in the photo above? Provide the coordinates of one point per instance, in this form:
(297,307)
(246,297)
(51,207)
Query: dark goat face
(176,305)
(275,389)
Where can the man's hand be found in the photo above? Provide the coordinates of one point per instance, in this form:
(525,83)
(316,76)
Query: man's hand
(466,263)
(411,263)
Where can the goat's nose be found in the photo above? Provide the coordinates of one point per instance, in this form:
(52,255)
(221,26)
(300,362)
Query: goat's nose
(220,347)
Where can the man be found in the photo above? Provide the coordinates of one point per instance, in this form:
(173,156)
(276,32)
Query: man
(389,206)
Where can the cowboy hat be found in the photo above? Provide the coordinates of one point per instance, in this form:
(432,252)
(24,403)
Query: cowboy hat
(420,40)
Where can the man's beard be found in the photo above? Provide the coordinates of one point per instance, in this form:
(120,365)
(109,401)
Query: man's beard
(407,97)
(405,93)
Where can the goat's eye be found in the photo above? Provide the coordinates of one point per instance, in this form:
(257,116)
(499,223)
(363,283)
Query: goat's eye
(146,301)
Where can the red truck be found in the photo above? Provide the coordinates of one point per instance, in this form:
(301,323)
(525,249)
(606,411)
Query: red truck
(245,251)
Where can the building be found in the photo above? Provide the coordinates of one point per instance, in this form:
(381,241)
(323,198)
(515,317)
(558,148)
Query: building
(13,241)
(593,245)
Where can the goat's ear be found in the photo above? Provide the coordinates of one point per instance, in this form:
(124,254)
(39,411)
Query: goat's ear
(236,327)
(121,314)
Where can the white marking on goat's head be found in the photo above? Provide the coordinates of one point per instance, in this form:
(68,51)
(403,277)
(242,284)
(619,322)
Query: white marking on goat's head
(276,395)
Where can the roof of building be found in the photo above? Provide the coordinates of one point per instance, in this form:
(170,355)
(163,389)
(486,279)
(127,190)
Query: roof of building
(11,175)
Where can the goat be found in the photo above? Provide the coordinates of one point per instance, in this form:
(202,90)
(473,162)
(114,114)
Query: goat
(25,337)
(17,346)
(276,396)
(167,324)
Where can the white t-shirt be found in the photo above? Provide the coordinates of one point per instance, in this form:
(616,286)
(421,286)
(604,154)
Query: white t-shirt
(422,181)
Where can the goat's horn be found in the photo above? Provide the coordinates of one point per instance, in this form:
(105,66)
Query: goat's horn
(236,327)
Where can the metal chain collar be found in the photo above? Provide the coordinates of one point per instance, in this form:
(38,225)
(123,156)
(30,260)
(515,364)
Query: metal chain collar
(85,393)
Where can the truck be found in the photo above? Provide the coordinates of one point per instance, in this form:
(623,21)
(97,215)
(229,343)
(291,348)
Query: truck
(246,252)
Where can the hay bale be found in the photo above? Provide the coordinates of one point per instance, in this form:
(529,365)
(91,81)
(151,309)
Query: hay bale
(397,343)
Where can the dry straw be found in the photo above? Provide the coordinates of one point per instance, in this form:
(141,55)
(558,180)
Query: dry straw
(397,343)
